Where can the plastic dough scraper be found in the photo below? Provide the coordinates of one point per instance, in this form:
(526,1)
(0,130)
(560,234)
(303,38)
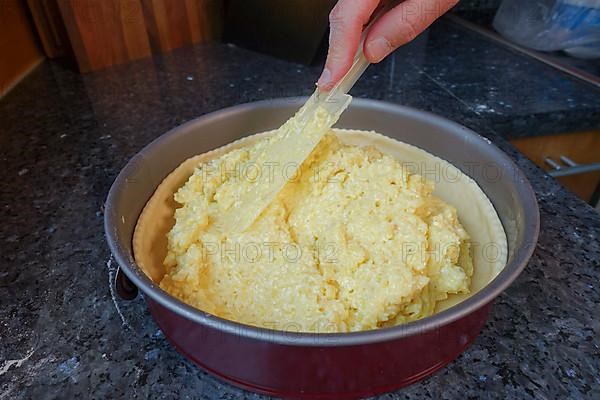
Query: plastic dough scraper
(291,146)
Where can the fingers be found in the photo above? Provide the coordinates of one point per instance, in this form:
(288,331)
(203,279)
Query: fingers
(401,25)
(394,29)
(346,25)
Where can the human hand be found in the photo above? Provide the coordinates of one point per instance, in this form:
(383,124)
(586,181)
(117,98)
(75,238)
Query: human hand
(395,28)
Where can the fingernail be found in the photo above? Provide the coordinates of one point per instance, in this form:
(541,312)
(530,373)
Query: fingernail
(325,79)
(378,49)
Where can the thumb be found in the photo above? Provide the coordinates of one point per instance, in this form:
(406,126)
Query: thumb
(346,24)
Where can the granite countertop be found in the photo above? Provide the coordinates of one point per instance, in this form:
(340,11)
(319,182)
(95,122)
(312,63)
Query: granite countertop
(64,137)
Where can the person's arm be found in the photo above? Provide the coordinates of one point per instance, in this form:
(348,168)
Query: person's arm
(397,27)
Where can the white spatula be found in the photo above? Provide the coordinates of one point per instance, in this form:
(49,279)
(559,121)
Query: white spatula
(298,138)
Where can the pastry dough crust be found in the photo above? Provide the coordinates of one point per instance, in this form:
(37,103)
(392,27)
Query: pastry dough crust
(475,211)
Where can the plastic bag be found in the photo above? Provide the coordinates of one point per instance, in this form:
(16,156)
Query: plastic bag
(551,25)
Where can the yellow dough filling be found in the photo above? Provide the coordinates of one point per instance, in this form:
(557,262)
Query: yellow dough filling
(353,242)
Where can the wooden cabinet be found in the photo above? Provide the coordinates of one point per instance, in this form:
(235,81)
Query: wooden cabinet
(101,33)
(50,28)
(582,147)
(19,51)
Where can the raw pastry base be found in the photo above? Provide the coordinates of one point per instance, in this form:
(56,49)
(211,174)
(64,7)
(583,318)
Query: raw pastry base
(475,211)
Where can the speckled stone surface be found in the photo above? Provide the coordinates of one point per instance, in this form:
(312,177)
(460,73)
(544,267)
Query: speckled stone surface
(64,137)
